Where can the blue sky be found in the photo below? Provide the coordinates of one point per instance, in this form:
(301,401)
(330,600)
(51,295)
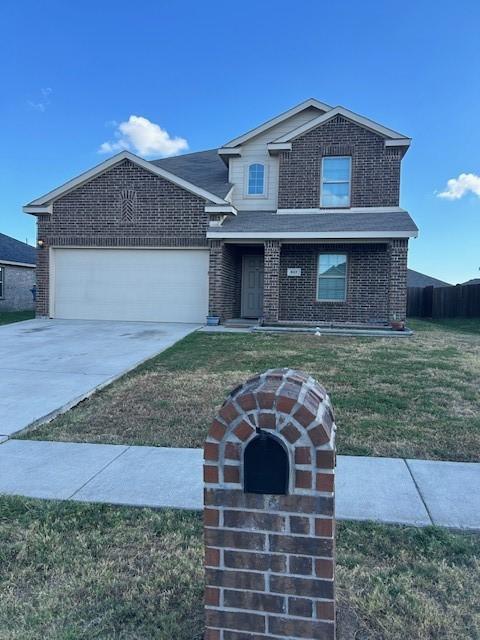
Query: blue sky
(207,71)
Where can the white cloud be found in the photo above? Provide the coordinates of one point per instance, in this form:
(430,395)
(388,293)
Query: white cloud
(144,137)
(43,103)
(458,187)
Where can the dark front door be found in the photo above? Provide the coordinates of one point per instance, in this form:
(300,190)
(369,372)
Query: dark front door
(252,286)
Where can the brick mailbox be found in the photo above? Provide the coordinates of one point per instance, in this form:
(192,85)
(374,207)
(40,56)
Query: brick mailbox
(269,512)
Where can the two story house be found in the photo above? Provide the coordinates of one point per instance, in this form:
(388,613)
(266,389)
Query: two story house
(295,221)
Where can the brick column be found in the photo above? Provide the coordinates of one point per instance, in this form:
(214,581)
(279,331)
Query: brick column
(215,279)
(270,558)
(271,290)
(42,269)
(398,250)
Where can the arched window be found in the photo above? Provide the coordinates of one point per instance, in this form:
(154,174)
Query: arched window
(256,179)
(266,467)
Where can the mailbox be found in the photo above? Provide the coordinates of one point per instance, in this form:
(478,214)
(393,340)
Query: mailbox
(269,511)
(265,465)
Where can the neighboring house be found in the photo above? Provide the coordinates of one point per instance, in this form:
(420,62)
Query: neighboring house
(417,279)
(297,220)
(17,274)
(472,281)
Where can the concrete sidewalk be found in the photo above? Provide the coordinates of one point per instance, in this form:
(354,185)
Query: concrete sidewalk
(390,490)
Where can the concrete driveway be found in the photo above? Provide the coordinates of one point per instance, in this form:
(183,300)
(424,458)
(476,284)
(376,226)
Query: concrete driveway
(47,366)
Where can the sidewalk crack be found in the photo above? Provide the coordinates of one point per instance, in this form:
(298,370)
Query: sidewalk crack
(99,472)
(419,491)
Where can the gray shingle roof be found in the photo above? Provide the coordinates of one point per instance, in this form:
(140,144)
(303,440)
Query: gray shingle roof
(269,221)
(204,169)
(473,281)
(12,250)
(417,279)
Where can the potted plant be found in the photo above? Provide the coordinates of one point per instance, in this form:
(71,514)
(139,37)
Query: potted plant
(213,321)
(396,324)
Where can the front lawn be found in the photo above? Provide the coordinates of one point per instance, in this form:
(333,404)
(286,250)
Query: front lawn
(72,571)
(7,317)
(410,397)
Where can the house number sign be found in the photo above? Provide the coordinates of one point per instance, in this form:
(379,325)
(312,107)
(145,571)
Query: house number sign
(294,272)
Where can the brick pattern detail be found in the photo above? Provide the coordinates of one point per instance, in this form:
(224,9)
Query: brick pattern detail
(93,215)
(271,290)
(270,559)
(375,169)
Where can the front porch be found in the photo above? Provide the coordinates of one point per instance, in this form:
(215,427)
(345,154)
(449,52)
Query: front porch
(278,283)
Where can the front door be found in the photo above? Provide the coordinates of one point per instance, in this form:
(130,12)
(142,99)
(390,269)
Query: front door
(252,286)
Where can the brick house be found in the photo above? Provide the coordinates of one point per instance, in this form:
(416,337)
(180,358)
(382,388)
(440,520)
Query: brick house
(17,274)
(296,221)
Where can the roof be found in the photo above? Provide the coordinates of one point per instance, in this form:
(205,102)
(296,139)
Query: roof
(472,281)
(311,102)
(417,279)
(44,203)
(367,224)
(12,250)
(392,136)
(204,168)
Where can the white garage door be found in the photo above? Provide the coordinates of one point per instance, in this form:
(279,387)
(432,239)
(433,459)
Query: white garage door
(158,285)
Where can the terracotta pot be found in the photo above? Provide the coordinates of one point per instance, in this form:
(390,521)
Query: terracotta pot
(397,325)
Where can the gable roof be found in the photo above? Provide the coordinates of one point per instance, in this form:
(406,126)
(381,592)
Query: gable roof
(12,250)
(389,134)
(203,168)
(43,204)
(472,281)
(311,102)
(417,279)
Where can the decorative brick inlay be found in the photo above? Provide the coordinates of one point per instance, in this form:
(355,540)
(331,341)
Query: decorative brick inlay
(270,558)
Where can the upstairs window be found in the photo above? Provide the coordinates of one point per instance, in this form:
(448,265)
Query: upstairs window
(336,179)
(2,282)
(332,277)
(256,179)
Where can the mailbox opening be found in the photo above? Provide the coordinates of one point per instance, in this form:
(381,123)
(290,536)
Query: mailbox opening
(266,467)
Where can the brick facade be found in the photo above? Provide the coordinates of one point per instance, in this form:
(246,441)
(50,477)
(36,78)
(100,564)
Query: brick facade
(375,168)
(163,215)
(270,559)
(376,282)
(368,281)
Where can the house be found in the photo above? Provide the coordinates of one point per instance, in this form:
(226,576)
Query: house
(472,281)
(17,274)
(417,279)
(295,221)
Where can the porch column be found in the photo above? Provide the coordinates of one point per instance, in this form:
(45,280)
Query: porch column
(215,279)
(398,279)
(271,287)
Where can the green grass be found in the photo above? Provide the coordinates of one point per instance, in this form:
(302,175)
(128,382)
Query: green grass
(77,571)
(410,397)
(7,317)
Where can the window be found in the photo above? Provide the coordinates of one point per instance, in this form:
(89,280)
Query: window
(2,282)
(256,179)
(336,175)
(332,277)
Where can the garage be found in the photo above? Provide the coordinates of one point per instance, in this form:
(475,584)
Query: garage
(153,285)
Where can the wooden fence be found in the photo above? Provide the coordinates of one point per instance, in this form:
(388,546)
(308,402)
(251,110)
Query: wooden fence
(461,301)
